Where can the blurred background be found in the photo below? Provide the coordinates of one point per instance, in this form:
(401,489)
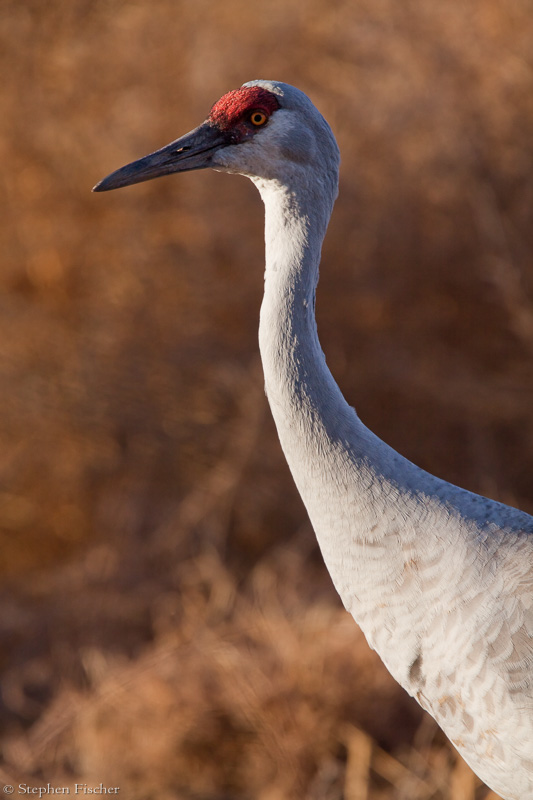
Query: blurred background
(166,622)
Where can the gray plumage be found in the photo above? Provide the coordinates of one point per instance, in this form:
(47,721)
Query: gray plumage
(439,579)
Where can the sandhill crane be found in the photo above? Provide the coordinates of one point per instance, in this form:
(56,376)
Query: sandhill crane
(439,579)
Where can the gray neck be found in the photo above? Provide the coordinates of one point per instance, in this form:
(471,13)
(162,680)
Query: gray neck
(315,424)
(355,487)
(296,374)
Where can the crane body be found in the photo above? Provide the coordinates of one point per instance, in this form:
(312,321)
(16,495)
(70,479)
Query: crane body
(439,579)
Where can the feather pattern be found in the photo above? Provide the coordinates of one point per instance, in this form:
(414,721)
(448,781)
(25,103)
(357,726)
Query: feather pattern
(439,579)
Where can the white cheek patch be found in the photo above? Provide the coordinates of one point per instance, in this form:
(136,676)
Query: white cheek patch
(271,150)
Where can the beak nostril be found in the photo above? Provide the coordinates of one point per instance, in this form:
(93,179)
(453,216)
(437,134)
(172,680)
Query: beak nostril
(182,149)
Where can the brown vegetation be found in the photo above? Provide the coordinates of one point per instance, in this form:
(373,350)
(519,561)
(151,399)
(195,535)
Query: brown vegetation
(167,624)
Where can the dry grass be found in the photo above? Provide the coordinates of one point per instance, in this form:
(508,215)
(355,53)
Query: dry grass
(166,623)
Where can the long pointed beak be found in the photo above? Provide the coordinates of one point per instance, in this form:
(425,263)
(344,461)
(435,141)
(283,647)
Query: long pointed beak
(193,151)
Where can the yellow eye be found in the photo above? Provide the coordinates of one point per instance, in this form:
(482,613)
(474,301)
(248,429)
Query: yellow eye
(258,118)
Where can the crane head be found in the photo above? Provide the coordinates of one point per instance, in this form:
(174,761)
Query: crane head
(263,130)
